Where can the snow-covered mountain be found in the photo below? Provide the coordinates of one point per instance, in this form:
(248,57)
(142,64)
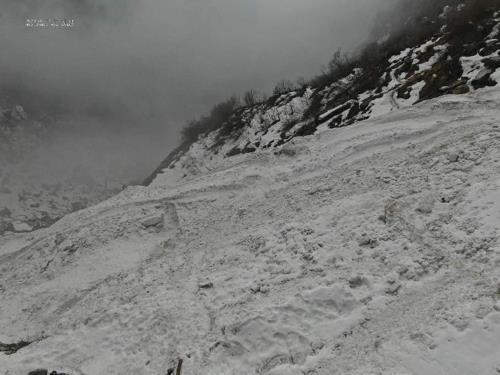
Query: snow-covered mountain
(286,242)
(30,196)
(444,64)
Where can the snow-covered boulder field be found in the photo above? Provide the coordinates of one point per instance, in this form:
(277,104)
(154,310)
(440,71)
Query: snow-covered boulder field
(369,249)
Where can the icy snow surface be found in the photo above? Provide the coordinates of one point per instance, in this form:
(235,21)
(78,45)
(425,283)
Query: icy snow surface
(369,249)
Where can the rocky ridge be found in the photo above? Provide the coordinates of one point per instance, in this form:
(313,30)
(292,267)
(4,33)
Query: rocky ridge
(449,62)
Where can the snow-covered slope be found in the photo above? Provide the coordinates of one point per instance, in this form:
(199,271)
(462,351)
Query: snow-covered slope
(444,64)
(286,241)
(369,249)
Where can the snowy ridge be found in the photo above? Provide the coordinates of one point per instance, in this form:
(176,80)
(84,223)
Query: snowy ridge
(415,74)
(360,250)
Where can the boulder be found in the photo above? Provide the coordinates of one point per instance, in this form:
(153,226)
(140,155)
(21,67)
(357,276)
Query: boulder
(490,48)
(492,63)
(206,285)
(39,371)
(461,89)
(483,79)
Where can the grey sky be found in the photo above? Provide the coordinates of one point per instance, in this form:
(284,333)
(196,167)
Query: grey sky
(150,65)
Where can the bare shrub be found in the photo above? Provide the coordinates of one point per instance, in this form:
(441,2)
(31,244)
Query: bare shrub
(464,19)
(341,64)
(219,114)
(283,87)
(338,67)
(251,98)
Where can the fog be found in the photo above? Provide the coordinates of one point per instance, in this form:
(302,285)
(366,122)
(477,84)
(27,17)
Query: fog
(134,71)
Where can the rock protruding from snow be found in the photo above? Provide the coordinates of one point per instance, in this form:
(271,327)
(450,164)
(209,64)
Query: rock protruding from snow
(437,67)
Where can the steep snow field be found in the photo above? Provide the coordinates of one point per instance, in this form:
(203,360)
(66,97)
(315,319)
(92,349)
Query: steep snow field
(370,249)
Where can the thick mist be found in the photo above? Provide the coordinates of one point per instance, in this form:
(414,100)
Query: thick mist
(136,71)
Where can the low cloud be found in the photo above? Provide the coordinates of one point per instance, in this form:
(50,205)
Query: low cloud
(142,68)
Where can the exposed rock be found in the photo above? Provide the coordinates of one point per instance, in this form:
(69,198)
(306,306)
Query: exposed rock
(460,89)
(483,79)
(207,285)
(357,281)
(492,63)
(39,372)
(13,348)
